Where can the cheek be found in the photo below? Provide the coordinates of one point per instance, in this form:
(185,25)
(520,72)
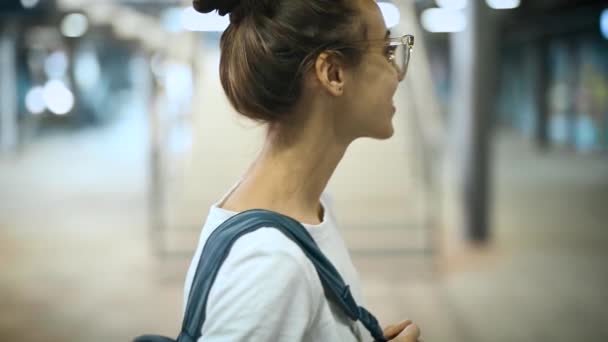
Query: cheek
(375,83)
(381,78)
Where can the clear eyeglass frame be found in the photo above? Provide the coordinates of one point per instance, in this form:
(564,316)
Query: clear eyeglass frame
(399,52)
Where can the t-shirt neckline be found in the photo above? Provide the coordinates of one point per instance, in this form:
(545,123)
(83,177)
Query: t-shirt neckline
(228,213)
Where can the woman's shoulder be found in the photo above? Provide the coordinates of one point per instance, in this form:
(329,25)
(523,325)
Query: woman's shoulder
(267,259)
(270,243)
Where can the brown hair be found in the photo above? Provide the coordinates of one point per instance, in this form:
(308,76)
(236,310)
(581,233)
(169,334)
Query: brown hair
(269,44)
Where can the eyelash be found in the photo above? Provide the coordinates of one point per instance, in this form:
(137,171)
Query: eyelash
(389,50)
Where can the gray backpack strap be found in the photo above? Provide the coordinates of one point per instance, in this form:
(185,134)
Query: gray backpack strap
(218,246)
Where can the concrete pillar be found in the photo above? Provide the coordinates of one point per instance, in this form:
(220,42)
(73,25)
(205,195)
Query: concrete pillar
(540,92)
(156,181)
(472,109)
(8,88)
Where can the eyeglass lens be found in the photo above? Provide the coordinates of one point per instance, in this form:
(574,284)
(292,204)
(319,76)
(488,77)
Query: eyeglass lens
(402,57)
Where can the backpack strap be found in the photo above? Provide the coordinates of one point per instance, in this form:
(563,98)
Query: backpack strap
(218,246)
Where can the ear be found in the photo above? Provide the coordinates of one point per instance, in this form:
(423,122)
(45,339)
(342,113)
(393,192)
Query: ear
(330,73)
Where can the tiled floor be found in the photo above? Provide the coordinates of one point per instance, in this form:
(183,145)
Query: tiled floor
(76,265)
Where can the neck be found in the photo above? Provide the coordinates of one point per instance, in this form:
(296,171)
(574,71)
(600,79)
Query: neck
(293,169)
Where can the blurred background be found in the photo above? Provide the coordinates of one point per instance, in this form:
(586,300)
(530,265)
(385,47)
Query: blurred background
(483,219)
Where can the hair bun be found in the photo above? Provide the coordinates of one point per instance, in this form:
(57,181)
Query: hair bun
(223,7)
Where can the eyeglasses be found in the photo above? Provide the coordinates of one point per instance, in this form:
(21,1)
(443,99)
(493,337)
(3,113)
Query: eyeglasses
(398,51)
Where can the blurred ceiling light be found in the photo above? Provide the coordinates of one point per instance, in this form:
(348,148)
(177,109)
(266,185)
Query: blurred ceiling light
(604,23)
(74,25)
(391,14)
(503,4)
(452,4)
(56,65)
(57,97)
(171,19)
(443,20)
(34,100)
(29,3)
(192,20)
(86,69)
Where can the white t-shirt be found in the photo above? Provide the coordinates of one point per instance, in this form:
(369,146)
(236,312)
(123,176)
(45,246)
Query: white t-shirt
(268,290)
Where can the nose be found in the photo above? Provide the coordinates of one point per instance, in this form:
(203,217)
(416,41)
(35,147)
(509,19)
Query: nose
(400,74)
(397,71)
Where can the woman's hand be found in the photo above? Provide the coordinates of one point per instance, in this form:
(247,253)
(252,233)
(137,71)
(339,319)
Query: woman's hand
(405,331)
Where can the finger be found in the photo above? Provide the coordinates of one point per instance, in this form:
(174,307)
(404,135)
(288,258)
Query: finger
(411,333)
(394,330)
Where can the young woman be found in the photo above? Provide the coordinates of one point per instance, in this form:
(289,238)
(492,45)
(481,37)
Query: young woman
(320,74)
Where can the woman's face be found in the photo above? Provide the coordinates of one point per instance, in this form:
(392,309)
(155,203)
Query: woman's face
(369,87)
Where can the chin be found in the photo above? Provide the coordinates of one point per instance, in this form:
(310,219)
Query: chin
(388,134)
(385,133)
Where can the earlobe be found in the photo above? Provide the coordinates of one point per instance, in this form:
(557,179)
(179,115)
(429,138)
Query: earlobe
(330,73)
(338,79)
